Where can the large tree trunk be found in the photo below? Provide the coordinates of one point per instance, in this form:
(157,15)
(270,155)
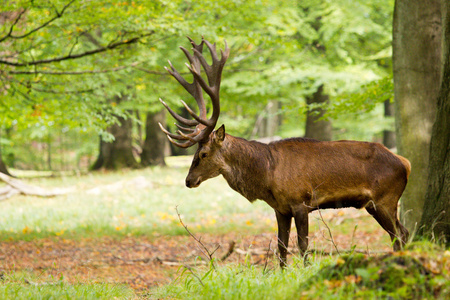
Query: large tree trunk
(315,127)
(155,144)
(417,70)
(119,153)
(435,221)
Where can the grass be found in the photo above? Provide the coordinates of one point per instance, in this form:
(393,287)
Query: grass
(25,286)
(242,281)
(140,202)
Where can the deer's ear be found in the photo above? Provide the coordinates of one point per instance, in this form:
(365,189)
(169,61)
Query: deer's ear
(219,134)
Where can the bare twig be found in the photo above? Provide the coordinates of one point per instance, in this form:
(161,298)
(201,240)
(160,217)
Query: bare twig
(267,257)
(208,254)
(229,252)
(195,275)
(329,232)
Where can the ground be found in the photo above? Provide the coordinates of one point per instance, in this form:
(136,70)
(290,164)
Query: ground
(143,262)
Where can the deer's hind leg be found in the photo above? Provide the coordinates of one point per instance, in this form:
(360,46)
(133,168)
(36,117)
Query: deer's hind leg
(386,216)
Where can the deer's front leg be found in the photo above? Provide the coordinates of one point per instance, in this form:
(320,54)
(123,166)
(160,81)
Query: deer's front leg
(284,229)
(301,223)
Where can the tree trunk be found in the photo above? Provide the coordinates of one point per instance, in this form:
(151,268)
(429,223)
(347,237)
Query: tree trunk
(389,135)
(315,127)
(119,153)
(3,168)
(417,70)
(435,222)
(155,144)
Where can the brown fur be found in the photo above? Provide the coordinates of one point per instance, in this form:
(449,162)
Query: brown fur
(296,176)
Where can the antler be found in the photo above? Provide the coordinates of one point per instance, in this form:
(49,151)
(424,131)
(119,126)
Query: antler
(203,126)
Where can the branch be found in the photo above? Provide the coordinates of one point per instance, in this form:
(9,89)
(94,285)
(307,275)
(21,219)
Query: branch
(313,193)
(12,26)
(18,187)
(75,56)
(229,252)
(75,72)
(63,92)
(155,72)
(58,15)
(188,73)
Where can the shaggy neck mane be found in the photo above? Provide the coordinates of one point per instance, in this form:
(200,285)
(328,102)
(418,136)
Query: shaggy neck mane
(247,164)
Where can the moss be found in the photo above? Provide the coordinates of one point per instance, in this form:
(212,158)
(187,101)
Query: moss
(406,274)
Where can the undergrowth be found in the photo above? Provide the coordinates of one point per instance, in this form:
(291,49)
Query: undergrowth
(420,272)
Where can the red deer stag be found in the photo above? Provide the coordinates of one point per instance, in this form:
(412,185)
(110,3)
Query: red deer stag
(294,176)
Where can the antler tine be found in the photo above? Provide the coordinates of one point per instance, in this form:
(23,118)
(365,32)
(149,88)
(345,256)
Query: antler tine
(185,128)
(213,72)
(178,117)
(172,135)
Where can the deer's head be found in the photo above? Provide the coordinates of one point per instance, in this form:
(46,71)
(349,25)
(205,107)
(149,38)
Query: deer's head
(207,161)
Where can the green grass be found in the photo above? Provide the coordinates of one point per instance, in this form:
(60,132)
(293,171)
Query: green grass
(144,204)
(242,282)
(27,287)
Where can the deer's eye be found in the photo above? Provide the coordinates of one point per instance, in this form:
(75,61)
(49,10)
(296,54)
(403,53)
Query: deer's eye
(203,155)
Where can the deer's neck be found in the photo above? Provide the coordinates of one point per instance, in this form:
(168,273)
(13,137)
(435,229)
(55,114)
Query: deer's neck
(247,167)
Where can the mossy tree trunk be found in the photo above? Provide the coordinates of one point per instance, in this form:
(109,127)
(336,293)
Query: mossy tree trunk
(435,222)
(417,72)
(155,144)
(118,153)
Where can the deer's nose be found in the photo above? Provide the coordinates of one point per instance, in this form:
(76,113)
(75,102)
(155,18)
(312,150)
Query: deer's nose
(193,182)
(188,182)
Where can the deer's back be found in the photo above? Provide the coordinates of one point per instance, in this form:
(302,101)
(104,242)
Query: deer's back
(324,173)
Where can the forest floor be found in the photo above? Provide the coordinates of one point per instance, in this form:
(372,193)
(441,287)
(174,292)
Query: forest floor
(143,262)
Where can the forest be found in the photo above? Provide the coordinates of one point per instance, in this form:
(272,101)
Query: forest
(92,193)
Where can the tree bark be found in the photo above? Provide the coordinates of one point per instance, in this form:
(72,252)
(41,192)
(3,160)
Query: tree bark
(417,72)
(155,144)
(3,168)
(315,127)
(119,153)
(389,135)
(435,222)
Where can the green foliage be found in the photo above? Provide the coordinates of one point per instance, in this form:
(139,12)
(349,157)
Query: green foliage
(81,63)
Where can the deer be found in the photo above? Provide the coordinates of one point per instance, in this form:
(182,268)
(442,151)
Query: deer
(294,176)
